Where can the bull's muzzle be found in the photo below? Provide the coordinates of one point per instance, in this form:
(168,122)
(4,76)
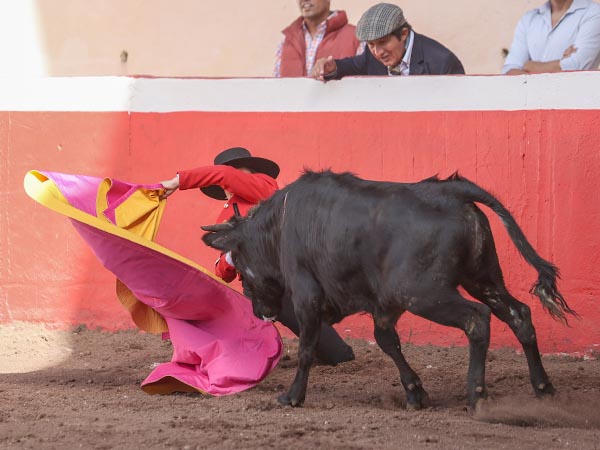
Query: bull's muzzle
(263,313)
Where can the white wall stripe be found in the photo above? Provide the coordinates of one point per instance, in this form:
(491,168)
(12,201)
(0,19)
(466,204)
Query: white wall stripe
(575,90)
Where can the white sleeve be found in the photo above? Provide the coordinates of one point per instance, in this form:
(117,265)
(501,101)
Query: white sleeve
(229,259)
(587,43)
(519,53)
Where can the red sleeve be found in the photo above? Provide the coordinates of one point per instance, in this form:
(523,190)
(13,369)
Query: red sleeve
(224,270)
(253,187)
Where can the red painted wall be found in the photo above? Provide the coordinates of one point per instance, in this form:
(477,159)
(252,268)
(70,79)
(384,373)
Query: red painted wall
(543,165)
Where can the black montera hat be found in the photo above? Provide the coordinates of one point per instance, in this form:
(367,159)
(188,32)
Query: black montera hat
(240,157)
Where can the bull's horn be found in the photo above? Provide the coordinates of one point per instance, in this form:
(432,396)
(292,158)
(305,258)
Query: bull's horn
(217,227)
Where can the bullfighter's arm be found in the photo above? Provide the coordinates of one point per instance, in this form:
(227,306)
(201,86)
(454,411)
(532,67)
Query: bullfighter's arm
(253,187)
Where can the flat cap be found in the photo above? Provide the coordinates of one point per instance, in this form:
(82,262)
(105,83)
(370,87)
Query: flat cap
(378,21)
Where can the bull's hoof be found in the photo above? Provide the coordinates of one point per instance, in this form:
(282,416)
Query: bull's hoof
(414,406)
(544,390)
(286,400)
(481,406)
(416,399)
(480,393)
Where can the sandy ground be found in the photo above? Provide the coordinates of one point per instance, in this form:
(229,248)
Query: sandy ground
(80,389)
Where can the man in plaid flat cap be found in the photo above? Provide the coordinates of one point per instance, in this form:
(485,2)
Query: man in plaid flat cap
(393,48)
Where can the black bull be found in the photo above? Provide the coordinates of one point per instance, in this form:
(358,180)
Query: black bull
(336,245)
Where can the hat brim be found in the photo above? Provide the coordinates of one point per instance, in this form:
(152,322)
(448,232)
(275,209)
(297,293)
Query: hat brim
(254,163)
(214,191)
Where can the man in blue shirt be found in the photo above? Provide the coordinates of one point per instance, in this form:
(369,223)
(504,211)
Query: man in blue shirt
(559,35)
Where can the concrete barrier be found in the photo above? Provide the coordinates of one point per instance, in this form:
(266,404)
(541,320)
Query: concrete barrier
(531,140)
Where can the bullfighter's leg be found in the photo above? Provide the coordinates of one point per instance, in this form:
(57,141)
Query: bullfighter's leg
(517,316)
(388,340)
(449,308)
(306,295)
(331,348)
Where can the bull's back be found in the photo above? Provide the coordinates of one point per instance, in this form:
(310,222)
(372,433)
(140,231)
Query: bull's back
(358,237)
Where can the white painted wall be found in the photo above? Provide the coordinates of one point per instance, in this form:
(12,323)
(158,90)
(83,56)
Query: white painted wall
(219,38)
(569,90)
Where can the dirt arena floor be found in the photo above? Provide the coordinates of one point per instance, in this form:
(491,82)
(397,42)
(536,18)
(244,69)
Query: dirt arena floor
(81,389)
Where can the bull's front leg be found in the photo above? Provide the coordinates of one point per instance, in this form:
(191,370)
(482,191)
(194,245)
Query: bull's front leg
(310,326)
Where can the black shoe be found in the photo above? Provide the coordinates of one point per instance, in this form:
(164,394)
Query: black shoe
(333,359)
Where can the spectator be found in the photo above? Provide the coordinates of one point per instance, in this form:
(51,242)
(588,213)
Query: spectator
(559,35)
(244,180)
(317,32)
(393,48)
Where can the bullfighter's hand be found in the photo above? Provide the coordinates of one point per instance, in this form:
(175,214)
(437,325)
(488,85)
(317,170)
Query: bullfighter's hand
(323,67)
(170,186)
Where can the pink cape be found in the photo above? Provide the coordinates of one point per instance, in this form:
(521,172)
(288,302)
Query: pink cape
(219,347)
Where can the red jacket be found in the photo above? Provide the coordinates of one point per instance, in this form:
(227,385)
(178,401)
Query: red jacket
(247,188)
(339,41)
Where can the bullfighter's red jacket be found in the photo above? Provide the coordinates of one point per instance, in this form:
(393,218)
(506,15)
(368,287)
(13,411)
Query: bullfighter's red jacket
(247,188)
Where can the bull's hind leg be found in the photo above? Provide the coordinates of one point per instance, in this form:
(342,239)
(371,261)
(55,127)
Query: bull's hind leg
(517,316)
(388,340)
(448,307)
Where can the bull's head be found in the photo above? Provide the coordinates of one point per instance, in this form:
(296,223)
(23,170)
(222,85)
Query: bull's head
(254,260)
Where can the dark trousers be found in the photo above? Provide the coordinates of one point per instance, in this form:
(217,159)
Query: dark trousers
(331,348)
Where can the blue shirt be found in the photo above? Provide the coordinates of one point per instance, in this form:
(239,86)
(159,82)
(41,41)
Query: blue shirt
(536,40)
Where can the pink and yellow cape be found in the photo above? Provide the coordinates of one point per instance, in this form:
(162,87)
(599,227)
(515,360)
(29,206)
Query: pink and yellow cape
(219,347)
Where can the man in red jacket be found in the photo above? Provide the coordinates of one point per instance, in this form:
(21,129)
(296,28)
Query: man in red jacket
(317,33)
(244,180)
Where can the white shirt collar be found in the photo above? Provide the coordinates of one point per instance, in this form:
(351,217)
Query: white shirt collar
(577,4)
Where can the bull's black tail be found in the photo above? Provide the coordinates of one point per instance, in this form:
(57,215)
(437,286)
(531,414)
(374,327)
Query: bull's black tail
(545,286)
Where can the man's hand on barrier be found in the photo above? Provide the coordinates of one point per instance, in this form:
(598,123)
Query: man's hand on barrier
(324,67)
